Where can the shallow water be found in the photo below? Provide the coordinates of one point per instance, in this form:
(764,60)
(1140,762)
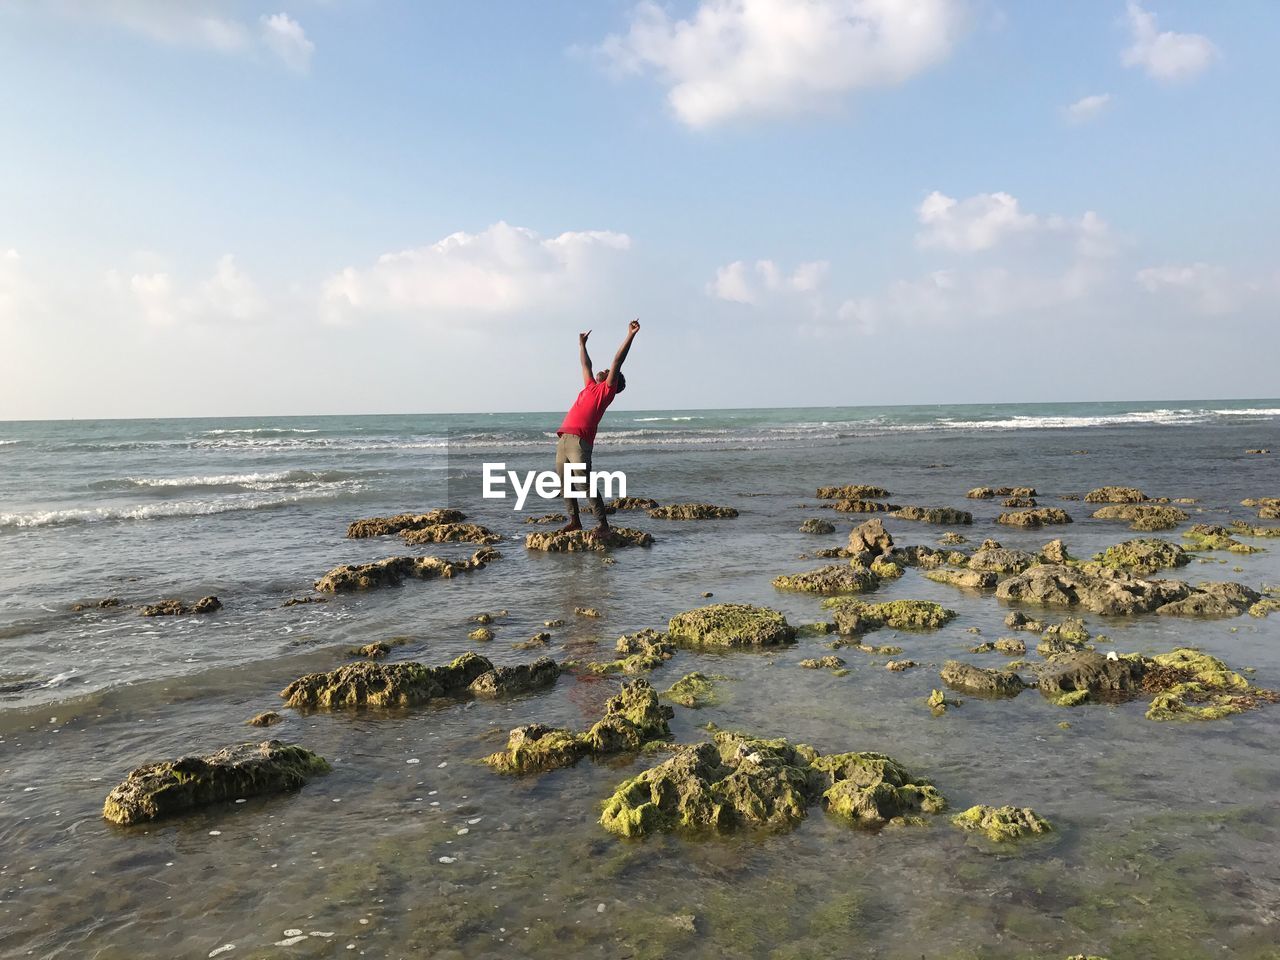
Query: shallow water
(1167,834)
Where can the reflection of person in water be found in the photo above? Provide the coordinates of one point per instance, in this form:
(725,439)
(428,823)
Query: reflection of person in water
(578,432)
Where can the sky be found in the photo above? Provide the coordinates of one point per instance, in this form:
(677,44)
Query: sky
(247,208)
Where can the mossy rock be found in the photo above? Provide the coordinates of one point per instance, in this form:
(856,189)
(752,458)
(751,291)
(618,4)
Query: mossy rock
(693,690)
(692,511)
(832,579)
(633,503)
(1143,556)
(1115,495)
(381,526)
(854,616)
(817,525)
(171,787)
(1039,517)
(864,506)
(731,625)
(450,533)
(637,652)
(852,491)
(822,663)
(394,570)
(1002,824)
(945,515)
(1141,516)
(967,579)
(583,541)
(981,681)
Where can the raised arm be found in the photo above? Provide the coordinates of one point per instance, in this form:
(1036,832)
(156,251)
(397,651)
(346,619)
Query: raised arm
(584,358)
(632,329)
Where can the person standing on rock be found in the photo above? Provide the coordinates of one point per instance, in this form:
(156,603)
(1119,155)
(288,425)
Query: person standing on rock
(578,431)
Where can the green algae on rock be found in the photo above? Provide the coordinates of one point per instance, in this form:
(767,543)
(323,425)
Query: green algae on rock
(693,690)
(267,718)
(578,541)
(817,525)
(175,786)
(852,491)
(450,533)
(737,782)
(1212,536)
(1143,516)
(822,663)
(831,579)
(394,570)
(1196,686)
(692,511)
(946,515)
(642,650)
(731,625)
(381,526)
(854,616)
(1143,556)
(1038,517)
(1002,824)
(632,718)
(373,684)
(968,579)
(1115,495)
(480,635)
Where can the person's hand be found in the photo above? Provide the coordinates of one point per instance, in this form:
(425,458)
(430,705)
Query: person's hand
(582,338)
(633,327)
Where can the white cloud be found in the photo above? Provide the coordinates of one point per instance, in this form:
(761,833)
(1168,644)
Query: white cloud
(500,271)
(17,292)
(1207,289)
(198,23)
(735,58)
(739,282)
(285,38)
(228,295)
(1087,108)
(988,220)
(1165,56)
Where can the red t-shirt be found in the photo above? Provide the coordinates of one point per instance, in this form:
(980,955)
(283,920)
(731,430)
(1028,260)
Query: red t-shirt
(584,416)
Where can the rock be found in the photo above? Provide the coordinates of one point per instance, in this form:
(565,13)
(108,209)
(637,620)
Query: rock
(295,601)
(633,503)
(1018,502)
(692,511)
(737,781)
(1092,672)
(1011,646)
(394,570)
(540,639)
(854,616)
(1039,517)
(1055,551)
(576,541)
(480,635)
(450,533)
(632,718)
(1115,495)
(521,678)
(815,525)
(267,718)
(369,683)
(1203,603)
(863,506)
(381,526)
(547,518)
(104,604)
(1143,516)
(1143,556)
(986,493)
(1093,587)
(887,568)
(1190,685)
(979,680)
(970,579)
(855,491)
(177,608)
(638,651)
(951,538)
(693,690)
(939,703)
(731,625)
(1264,607)
(589,612)
(371,651)
(1001,560)
(981,493)
(175,786)
(553,623)
(897,666)
(822,663)
(868,541)
(1258,451)
(1002,824)
(947,515)
(832,579)
(1211,536)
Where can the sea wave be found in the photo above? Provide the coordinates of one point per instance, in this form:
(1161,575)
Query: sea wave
(156,511)
(1165,417)
(262,431)
(229,482)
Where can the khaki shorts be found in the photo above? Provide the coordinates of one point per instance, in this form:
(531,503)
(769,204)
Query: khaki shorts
(571,448)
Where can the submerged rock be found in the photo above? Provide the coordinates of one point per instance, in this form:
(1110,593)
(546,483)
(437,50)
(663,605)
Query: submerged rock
(450,533)
(547,518)
(692,511)
(864,506)
(1001,559)
(179,608)
(381,526)
(638,651)
(816,525)
(480,635)
(970,579)
(1002,824)
(947,515)
(393,571)
(1115,495)
(1018,502)
(1211,536)
(693,690)
(854,616)
(1091,672)
(297,601)
(739,782)
(632,718)
(1190,685)
(853,491)
(835,578)
(175,786)
(1143,516)
(589,612)
(576,541)
(822,663)
(986,493)
(268,718)
(951,538)
(979,680)
(1039,517)
(731,625)
(105,603)
(633,503)
(897,666)
(404,684)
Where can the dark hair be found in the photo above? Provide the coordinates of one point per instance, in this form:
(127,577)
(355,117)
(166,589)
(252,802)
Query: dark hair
(620,381)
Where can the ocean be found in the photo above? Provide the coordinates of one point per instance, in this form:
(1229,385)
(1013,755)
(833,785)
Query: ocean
(1167,835)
